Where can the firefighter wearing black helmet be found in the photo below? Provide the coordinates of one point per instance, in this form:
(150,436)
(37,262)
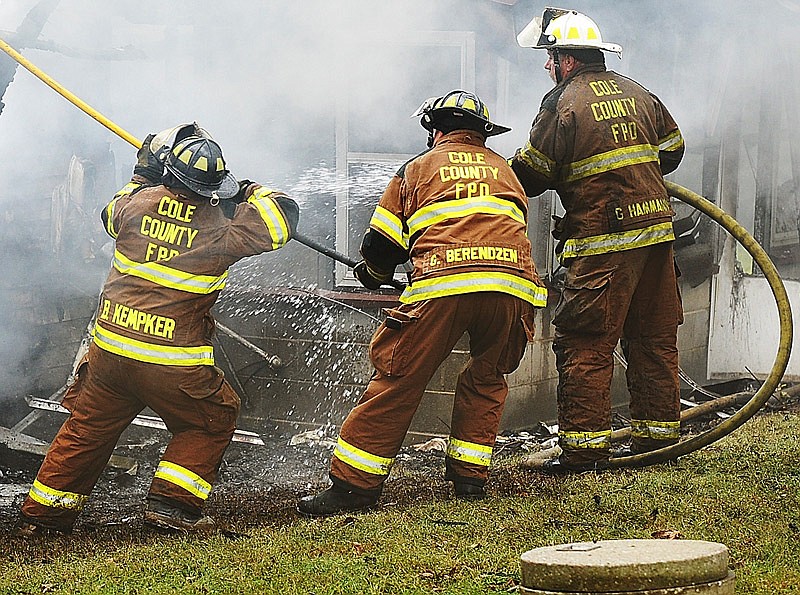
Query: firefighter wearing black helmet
(151,344)
(458,212)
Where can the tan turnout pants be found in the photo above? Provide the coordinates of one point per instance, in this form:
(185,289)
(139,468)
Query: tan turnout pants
(197,404)
(406,351)
(633,296)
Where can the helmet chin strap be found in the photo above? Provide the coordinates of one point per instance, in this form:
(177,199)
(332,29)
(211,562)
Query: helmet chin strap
(557,64)
(430,138)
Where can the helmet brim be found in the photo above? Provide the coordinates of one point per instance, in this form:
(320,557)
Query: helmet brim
(228,188)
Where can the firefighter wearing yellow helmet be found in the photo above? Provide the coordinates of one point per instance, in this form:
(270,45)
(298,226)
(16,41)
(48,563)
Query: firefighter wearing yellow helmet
(459,214)
(604,142)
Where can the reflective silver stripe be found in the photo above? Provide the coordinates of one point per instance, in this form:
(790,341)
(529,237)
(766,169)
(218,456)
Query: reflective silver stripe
(169,277)
(386,221)
(182,477)
(671,141)
(618,241)
(361,459)
(56,498)
(272,215)
(462,283)
(152,353)
(469,452)
(452,209)
(578,440)
(538,161)
(655,430)
(609,161)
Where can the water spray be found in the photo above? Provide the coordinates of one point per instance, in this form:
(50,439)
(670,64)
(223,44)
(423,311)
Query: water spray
(698,202)
(127,136)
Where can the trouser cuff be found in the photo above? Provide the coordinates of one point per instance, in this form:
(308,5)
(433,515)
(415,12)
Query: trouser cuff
(342,485)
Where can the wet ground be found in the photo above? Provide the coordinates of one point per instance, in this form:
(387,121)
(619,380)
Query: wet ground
(261,484)
(256,484)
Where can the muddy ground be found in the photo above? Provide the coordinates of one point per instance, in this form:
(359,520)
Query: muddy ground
(260,484)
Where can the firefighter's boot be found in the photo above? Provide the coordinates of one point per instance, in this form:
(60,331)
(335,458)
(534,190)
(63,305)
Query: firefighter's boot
(468,491)
(336,499)
(161,515)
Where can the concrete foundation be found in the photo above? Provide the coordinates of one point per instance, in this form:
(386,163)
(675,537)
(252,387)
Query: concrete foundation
(617,567)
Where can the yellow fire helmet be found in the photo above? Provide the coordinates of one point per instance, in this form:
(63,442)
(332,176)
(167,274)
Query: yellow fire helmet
(559,28)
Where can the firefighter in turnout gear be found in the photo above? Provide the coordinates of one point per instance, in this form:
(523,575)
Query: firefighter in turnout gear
(604,142)
(151,343)
(458,212)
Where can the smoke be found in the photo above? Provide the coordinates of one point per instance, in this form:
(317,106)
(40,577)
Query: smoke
(288,88)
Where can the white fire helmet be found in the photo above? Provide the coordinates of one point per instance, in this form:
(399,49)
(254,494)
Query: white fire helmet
(559,28)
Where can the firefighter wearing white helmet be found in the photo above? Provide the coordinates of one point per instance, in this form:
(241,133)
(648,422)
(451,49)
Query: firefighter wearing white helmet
(604,142)
(459,214)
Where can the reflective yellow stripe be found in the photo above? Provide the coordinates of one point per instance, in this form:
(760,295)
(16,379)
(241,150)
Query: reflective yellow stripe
(469,452)
(386,221)
(182,477)
(454,209)
(462,283)
(655,430)
(56,498)
(110,217)
(272,216)
(609,161)
(168,277)
(152,353)
(578,440)
(618,241)
(361,459)
(538,161)
(671,142)
(127,189)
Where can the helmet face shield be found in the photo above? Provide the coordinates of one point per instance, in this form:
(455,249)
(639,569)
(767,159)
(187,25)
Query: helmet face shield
(532,36)
(164,141)
(558,28)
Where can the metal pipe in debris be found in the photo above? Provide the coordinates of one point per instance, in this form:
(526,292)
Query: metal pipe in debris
(147,421)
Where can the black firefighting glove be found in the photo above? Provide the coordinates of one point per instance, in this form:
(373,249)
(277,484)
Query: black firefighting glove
(558,232)
(241,196)
(370,277)
(147,164)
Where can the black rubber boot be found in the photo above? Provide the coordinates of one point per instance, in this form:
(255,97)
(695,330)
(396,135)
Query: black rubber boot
(334,500)
(162,515)
(468,491)
(559,466)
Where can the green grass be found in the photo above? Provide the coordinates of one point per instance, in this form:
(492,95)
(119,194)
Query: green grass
(742,492)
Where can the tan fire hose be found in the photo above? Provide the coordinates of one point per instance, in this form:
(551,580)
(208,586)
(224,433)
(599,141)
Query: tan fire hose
(695,200)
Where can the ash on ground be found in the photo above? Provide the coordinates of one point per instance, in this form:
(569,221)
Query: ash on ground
(260,484)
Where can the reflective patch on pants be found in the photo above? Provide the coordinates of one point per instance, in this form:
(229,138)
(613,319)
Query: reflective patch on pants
(183,478)
(53,498)
(469,452)
(655,430)
(361,459)
(581,440)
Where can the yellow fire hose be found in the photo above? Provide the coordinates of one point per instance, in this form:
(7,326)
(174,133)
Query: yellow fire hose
(695,200)
(784,344)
